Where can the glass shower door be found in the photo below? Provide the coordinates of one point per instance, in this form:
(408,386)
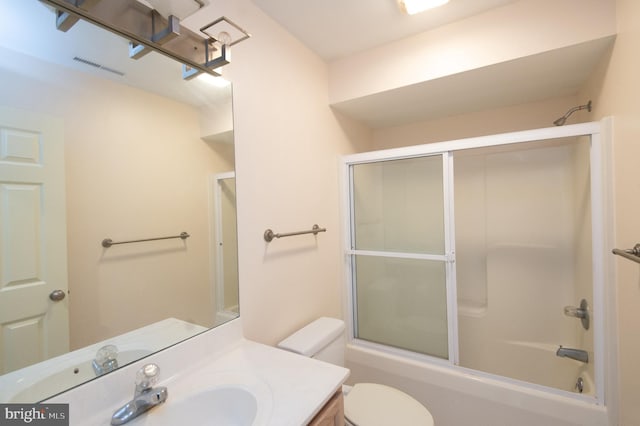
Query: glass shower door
(399,253)
(501,294)
(523,253)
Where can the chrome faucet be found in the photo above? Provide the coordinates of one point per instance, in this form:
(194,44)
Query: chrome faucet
(106,360)
(577,354)
(145,396)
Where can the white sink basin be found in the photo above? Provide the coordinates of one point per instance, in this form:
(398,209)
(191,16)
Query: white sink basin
(231,399)
(221,406)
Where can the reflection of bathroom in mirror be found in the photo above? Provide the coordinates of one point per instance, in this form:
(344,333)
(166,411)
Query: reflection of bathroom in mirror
(95,145)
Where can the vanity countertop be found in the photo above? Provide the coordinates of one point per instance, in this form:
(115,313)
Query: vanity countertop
(290,388)
(54,375)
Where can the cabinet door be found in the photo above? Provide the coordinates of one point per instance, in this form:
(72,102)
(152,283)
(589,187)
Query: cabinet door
(332,414)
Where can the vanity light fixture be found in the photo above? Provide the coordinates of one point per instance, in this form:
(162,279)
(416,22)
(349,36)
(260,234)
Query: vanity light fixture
(221,34)
(411,7)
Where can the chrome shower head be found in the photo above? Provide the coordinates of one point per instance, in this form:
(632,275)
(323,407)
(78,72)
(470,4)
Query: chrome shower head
(560,121)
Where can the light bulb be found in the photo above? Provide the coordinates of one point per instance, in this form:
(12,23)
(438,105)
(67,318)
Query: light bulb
(224,38)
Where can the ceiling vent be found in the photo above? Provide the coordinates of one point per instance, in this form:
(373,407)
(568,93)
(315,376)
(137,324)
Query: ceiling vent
(97,65)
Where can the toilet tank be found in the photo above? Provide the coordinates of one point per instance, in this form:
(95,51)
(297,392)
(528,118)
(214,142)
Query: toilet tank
(322,339)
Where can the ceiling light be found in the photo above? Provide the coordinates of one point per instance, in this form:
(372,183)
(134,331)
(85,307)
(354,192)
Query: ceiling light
(412,7)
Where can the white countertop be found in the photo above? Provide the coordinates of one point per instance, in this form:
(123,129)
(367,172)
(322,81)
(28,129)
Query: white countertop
(290,388)
(47,378)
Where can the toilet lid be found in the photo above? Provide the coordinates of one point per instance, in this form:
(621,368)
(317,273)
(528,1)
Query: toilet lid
(371,404)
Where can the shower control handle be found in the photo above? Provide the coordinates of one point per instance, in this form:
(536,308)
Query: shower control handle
(572,311)
(581,312)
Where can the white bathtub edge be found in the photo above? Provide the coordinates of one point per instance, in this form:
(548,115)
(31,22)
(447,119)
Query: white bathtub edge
(579,409)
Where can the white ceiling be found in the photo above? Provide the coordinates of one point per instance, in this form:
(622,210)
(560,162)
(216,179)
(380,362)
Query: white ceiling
(332,28)
(338,28)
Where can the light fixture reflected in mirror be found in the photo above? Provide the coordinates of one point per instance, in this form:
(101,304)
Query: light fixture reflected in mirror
(411,7)
(154,25)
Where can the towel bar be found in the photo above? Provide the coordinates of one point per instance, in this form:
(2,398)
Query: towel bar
(631,254)
(269,235)
(108,242)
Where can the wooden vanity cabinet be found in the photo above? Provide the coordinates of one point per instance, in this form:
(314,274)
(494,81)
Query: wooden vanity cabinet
(332,414)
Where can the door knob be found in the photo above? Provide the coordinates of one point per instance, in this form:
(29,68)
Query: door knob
(57,295)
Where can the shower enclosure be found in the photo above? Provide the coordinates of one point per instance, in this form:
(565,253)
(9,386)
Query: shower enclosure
(477,254)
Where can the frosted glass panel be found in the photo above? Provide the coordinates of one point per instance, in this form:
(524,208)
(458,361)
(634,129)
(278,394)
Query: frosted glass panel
(402,303)
(399,205)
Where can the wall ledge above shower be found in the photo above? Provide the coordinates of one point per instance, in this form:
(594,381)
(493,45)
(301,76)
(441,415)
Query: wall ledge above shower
(524,52)
(560,72)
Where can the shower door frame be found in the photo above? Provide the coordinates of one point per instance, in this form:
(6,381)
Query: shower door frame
(599,133)
(216,240)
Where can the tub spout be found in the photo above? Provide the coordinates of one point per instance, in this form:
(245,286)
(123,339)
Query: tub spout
(577,354)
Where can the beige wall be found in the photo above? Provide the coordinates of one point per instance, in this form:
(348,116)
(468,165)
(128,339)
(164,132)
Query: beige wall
(486,122)
(288,144)
(134,169)
(615,90)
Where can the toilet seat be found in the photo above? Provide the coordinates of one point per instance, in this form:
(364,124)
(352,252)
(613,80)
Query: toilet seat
(372,404)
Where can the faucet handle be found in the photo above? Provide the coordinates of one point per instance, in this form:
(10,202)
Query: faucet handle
(106,360)
(106,353)
(147,376)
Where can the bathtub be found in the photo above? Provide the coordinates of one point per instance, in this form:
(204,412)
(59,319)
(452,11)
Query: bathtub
(460,396)
(551,370)
(535,362)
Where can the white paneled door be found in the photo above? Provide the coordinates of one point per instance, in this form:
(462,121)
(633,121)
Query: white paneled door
(34,320)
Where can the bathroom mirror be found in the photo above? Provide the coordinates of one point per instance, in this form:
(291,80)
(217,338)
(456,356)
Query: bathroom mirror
(97,146)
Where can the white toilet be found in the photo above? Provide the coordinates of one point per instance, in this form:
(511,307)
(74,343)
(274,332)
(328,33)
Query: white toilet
(366,404)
